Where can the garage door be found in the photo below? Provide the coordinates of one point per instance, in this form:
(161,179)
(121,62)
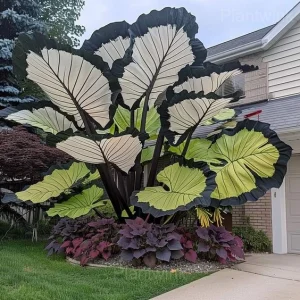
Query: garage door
(293,205)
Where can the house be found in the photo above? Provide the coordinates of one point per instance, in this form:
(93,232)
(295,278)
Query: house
(275,89)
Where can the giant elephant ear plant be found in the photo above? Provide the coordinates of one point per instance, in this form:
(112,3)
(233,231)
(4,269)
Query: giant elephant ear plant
(132,84)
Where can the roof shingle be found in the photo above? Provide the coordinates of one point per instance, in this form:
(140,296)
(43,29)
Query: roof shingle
(242,40)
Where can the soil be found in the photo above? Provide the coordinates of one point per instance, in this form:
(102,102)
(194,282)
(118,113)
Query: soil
(180,265)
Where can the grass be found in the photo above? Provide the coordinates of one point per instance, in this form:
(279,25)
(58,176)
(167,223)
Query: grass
(26,273)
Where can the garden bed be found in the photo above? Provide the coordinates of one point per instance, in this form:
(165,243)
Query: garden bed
(180,265)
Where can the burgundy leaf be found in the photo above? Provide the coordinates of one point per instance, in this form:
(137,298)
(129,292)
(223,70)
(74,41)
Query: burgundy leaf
(222,253)
(78,253)
(76,242)
(188,244)
(239,241)
(65,244)
(85,245)
(191,256)
(103,245)
(94,253)
(222,261)
(84,260)
(69,250)
(238,252)
(106,254)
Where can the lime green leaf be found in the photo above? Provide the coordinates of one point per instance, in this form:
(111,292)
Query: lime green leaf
(230,124)
(224,115)
(197,149)
(124,212)
(92,177)
(251,160)
(56,183)
(45,118)
(186,188)
(122,120)
(78,205)
(147,154)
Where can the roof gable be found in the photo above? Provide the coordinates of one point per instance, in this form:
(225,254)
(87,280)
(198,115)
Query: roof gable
(256,41)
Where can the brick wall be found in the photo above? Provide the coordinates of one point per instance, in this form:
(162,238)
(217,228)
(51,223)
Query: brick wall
(258,213)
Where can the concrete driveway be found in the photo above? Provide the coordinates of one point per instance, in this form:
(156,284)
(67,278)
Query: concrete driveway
(261,277)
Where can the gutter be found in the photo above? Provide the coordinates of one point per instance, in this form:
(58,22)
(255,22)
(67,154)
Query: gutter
(236,52)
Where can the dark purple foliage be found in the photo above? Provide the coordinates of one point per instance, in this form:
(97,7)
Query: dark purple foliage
(217,242)
(85,239)
(149,242)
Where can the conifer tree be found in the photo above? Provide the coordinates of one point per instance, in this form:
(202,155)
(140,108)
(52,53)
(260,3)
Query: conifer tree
(16,17)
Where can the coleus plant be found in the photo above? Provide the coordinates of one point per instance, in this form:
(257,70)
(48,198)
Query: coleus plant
(85,239)
(148,82)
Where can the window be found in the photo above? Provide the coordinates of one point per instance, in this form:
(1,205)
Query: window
(232,85)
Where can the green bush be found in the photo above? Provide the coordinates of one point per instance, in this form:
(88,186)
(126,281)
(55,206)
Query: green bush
(254,240)
(9,232)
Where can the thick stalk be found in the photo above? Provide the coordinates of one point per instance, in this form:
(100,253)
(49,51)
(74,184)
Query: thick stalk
(187,142)
(156,156)
(132,119)
(113,191)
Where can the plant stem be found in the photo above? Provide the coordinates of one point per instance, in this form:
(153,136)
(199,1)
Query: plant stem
(187,142)
(156,156)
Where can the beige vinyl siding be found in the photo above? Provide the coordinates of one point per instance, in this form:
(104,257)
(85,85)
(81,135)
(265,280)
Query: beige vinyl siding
(256,83)
(283,61)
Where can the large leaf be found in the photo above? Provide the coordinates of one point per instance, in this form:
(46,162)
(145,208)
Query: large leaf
(78,205)
(122,120)
(74,80)
(147,154)
(57,182)
(183,188)
(250,160)
(45,118)
(197,150)
(198,80)
(187,111)
(120,151)
(163,43)
(109,42)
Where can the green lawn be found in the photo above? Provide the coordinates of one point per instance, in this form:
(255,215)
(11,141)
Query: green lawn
(26,273)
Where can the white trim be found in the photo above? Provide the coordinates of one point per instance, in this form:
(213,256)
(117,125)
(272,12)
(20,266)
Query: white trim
(279,229)
(281,28)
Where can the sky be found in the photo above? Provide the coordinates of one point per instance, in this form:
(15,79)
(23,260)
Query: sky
(218,20)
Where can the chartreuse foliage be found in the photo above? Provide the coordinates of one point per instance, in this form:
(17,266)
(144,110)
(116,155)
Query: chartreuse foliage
(133,92)
(183,188)
(60,180)
(80,204)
